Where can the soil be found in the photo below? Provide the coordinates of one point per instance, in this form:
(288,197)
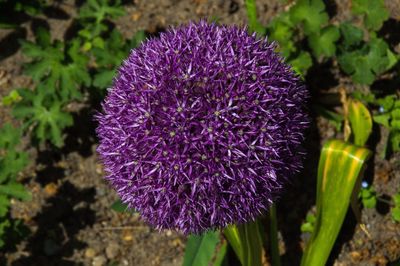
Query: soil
(70,219)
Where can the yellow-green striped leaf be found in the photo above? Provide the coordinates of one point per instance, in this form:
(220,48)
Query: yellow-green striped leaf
(360,121)
(339,167)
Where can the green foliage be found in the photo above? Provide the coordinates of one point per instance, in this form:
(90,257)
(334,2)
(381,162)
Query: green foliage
(352,35)
(281,30)
(308,225)
(12,162)
(311,14)
(308,20)
(96,11)
(388,116)
(11,98)
(92,16)
(111,55)
(119,206)
(301,63)
(323,43)
(201,249)
(61,68)
(254,24)
(374,12)
(368,197)
(365,64)
(395,210)
(44,113)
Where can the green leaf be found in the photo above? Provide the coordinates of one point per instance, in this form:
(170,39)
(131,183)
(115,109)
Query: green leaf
(310,218)
(280,29)
(11,164)
(11,98)
(323,44)
(44,113)
(99,10)
(392,58)
(246,241)
(4,226)
(43,37)
(137,39)
(200,249)
(369,202)
(352,36)
(110,57)
(360,121)
(62,69)
(307,227)
(395,140)
(374,12)
(113,53)
(254,24)
(368,197)
(311,13)
(119,206)
(103,79)
(4,204)
(9,136)
(396,214)
(15,190)
(340,165)
(396,199)
(387,102)
(363,65)
(301,63)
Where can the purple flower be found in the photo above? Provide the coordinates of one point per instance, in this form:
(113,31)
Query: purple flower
(202,127)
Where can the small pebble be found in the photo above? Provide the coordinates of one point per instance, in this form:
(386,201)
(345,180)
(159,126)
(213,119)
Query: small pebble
(90,253)
(50,189)
(127,236)
(112,250)
(99,261)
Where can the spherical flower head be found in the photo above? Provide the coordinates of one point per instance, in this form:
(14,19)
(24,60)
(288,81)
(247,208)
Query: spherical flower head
(202,127)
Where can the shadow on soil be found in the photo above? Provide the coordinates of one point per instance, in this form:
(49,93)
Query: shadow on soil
(68,211)
(58,223)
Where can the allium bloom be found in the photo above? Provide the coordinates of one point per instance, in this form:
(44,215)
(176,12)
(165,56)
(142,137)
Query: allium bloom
(202,127)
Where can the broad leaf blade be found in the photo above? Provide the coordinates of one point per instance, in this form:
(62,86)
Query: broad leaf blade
(339,167)
(360,120)
(200,249)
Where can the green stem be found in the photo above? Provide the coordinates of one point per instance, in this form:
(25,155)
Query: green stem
(254,25)
(246,241)
(273,234)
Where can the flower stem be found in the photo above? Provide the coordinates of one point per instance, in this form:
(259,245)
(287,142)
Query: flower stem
(273,234)
(245,239)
